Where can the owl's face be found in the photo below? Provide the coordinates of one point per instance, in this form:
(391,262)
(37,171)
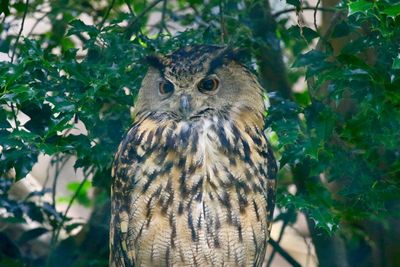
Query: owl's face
(198,81)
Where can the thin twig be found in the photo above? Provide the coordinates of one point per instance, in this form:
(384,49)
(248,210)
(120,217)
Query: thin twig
(323,9)
(14,116)
(336,19)
(305,242)
(3,19)
(323,40)
(106,15)
(285,223)
(56,234)
(47,178)
(283,253)
(20,30)
(64,216)
(315,15)
(56,176)
(196,12)
(54,186)
(162,22)
(222,20)
(130,8)
(131,25)
(38,21)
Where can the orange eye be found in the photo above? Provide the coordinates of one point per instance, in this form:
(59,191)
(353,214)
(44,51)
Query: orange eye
(208,85)
(166,88)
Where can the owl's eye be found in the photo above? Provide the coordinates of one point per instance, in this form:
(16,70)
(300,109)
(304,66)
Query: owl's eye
(208,85)
(166,88)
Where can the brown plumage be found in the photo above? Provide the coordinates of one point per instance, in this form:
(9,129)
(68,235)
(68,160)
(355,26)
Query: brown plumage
(194,177)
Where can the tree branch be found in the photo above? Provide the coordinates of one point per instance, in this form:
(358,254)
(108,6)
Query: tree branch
(222,21)
(283,253)
(64,217)
(56,175)
(106,15)
(289,213)
(20,31)
(132,24)
(14,113)
(130,8)
(45,14)
(289,10)
(315,15)
(269,56)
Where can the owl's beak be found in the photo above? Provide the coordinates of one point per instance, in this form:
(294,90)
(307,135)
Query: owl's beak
(185,105)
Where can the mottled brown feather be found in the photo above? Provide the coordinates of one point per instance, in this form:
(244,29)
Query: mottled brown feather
(194,192)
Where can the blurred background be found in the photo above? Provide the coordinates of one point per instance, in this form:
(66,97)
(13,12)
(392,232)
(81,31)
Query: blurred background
(69,75)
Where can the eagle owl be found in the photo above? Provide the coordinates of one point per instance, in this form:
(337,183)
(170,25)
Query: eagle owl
(194,177)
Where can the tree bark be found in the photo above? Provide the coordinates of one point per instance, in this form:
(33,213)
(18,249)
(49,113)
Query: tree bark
(269,53)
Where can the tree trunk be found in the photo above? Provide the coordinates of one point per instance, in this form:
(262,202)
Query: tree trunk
(269,53)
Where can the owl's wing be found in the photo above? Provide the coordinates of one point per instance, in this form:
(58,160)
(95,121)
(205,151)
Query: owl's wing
(119,256)
(268,170)
(272,170)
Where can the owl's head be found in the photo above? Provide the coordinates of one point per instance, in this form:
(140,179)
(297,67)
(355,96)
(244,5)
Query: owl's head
(198,81)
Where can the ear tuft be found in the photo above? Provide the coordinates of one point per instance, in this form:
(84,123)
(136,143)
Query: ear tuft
(239,55)
(156,61)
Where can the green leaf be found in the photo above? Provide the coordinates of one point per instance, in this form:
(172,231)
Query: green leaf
(12,219)
(39,117)
(79,26)
(10,262)
(303,98)
(359,6)
(19,6)
(341,30)
(4,7)
(82,196)
(32,234)
(73,226)
(309,58)
(3,120)
(295,3)
(392,10)
(396,63)
(34,212)
(302,33)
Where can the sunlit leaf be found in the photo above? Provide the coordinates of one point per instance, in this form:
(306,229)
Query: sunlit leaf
(360,6)
(392,10)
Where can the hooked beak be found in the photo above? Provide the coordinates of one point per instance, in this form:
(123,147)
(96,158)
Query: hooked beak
(185,105)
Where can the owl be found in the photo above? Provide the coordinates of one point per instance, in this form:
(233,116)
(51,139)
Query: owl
(194,178)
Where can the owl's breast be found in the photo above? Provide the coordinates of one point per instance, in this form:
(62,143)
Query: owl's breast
(198,194)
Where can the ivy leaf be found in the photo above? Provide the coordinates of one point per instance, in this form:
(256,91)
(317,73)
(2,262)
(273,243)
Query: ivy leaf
(295,3)
(396,63)
(69,228)
(40,117)
(4,124)
(4,7)
(303,32)
(32,234)
(11,249)
(82,196)
(33,211)
(78,26)
(359,6)
(341,30)
(392,10)
(309,58)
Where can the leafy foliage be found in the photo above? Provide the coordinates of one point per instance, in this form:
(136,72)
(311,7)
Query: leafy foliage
(337,140)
